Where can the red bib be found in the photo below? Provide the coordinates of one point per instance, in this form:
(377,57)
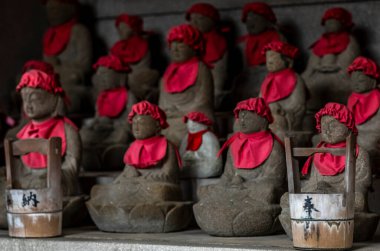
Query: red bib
(254,45)
(216,47)
(131,50)
(111,103)
(331,43)
(57,37)
(249,150)
(364,106)
(327,164)
(180,76)
(278,85)
(54,127)
(194,140)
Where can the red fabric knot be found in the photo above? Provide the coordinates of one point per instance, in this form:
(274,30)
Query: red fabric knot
(282,48)
(259,8)
(195,140)
(180,76)
(364,105)
(112,102)
(256,105)
(204,9)
(331,43)
(187,34)
(147,108)
(199,117)
(215,46)
(340,14)
(365,65)
(54,127)
(111,62)
(339,112)
(38,65)
(57,37)
(278,85)
(39,79)
(134,22)
(131,50)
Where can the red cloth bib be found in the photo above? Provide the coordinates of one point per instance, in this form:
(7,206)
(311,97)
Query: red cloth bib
(278,85)
(249,150)
(57,37)
(131,50)
(111,103)
(54,127)
(254,45)
(331,43)
(364,106)
(180,76)
(327,164)
(194,140)
(216,46)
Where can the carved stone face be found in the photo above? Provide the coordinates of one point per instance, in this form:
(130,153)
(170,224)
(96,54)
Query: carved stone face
(106,78)
(362,83)
(201,22)
(332,131)
(180,52)
(250,122)
(194,127)
(275,61)
(124,31)
(38,104)
(59,13)
(144,127)
(333,26)
(256,24)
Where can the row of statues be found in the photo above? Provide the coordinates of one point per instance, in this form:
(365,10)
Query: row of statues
(243,190)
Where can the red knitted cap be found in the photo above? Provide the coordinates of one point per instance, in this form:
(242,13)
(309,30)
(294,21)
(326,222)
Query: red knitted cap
(135,22)
(283,48)
(259,8)
(187,34)
(198,117)
(204,9)
(111,62)
(339,14)
(42,80)
(256,105)
(366,65)
(147,108)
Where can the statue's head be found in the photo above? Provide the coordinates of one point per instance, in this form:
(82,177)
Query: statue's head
(364,74)
(61,11)
(147,120)
(258,17)
(253,115)
(336,20)
(197,121)
(279,55)
(128,25)
(185,42)
(42,95)
(110,73)
(203,16)
(335,122)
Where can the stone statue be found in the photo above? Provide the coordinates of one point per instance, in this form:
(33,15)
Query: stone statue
(146,196)
(105,137)
(283,89)
(325,74)
(246,200)
(205,17)
(260,22)
(324,172)
(67,46)
(43,104)
(187,84)
(133,50)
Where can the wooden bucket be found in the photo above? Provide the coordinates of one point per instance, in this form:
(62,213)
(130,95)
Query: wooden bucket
(35,212)
(321,221)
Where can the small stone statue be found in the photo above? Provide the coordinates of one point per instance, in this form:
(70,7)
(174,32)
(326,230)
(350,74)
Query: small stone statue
(187,84)
(42,98)
(325,74)
(260,22)
(146,196)
(205,17)
(246,200)
(133,50)
(283,89)
(67,46)
(364,103)
(105,136)
(324,172)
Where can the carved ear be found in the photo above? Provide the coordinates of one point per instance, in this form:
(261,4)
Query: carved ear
(158,127)
(123,77)
(60,108)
